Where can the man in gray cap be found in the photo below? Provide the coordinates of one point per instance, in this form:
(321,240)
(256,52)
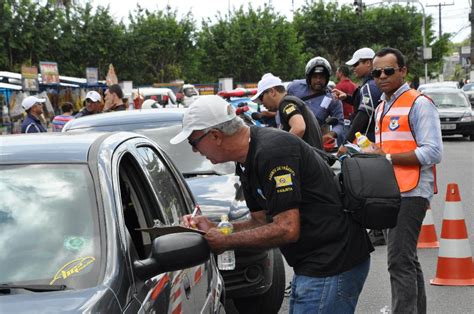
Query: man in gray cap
(34,109)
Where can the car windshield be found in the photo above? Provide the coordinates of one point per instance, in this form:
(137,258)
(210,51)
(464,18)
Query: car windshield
(49,230)
(468,87)
(448,100)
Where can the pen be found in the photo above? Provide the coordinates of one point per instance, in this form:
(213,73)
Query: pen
(196,211)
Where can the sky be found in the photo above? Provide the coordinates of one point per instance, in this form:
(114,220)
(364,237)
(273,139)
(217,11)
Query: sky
(454,17)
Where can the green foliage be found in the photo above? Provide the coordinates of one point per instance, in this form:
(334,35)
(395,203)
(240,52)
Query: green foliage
(159,46)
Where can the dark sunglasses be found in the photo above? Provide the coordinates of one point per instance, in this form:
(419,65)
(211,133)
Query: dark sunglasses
(355,65)
(261,95)
(196,141)
(388,71)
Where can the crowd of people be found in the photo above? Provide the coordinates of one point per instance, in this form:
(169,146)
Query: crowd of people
(286,179)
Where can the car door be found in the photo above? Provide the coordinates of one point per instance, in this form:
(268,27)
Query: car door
(175,201)
(140,209)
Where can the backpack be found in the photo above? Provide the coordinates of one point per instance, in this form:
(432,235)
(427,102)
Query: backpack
(369,190)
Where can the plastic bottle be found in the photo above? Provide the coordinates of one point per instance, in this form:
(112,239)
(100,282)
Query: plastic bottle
(363,142)
(226,260)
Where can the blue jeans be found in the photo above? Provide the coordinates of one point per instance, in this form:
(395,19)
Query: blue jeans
(335,294)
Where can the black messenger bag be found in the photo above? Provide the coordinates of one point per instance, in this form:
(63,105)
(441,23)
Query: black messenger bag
(369,190)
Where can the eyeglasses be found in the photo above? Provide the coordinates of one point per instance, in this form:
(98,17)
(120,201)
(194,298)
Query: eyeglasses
(388,71)
(196,141)
(355,65)
(261,95)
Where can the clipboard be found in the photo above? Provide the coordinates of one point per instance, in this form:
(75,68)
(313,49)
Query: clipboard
(159,231)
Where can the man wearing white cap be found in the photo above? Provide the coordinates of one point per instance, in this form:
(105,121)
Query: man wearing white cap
(92,106)
(365,98)
(284,178)
(295,117)
(34,109)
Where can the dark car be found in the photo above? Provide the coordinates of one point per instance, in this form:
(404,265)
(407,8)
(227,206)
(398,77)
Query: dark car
(455,111)
(259,277)
(70,208)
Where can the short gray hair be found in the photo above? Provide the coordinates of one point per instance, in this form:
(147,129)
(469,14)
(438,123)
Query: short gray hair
(229,127)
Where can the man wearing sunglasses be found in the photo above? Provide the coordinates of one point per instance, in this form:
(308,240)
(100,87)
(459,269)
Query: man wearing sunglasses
(295,117)
(34,109)
(408,134)
(283,178)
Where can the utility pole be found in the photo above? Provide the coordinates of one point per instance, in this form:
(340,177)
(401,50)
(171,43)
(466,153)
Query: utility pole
(471,19)
(439,5)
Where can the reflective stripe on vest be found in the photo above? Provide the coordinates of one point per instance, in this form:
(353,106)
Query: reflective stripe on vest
(393,135)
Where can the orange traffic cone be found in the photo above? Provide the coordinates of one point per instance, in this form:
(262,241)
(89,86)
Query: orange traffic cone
(427,237)
(455,265)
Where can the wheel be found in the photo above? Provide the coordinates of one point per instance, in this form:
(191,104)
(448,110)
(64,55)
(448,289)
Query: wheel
(269,302)
(471,137)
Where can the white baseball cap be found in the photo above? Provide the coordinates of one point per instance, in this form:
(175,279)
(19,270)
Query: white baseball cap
(150,104)
(30,101)
(363,53)
(206,112)
(93,95)
(267,81)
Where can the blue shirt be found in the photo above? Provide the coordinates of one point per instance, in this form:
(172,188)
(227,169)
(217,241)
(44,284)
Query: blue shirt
(426,128)
(32,125)
(322,106)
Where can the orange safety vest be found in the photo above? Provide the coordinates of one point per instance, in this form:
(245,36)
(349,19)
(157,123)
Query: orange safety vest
(394,135)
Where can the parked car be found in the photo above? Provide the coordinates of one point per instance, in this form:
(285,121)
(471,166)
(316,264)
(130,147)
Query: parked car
(455,111)
(164,96)
(259,277)
(445,84)
(469,90)
(187,94)
(70,208)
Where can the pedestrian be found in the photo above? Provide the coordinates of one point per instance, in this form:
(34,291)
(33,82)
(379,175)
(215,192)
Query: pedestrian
(66,116)
(346,85)
(315,92)
(364,99)
(34,109)
(408,133)
(92,104)
(284,178)
(113,99)
(295,117)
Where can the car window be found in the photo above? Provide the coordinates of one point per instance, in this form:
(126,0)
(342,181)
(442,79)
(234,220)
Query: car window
(169,193)
(448,100)
(49,230)
(468,87)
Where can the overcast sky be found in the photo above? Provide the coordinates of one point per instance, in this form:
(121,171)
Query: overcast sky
(454,17)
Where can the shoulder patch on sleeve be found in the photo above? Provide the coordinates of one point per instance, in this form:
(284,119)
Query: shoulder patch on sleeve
(289,108)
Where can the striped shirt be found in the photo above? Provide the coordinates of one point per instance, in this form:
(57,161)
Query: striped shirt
(60,121)
(426,127)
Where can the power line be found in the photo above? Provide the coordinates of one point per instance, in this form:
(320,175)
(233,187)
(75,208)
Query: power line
(439,5)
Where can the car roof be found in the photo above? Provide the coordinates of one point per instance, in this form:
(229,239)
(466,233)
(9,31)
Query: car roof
(442,90)
(153,90)
(127,117)
(46,147)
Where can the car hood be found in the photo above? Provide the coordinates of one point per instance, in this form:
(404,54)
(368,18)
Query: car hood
(218,195)
(454,112)
(48,302)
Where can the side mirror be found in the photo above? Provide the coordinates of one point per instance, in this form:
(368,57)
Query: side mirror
(173,252)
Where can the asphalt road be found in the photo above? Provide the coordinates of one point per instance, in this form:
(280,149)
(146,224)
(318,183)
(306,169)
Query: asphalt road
(457,167)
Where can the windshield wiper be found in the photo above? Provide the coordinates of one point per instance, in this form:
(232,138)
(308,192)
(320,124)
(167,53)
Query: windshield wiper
(6,288)
(201,173)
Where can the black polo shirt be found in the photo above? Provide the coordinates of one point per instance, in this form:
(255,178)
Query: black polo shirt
(282,172)
(290,106)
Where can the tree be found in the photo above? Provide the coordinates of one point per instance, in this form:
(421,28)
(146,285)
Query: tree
(248,44)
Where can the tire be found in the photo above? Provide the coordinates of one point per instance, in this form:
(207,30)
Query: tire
(269,302)
(471,138)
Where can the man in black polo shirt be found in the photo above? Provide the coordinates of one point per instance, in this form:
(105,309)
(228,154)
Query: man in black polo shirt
(295,117)
(283,177)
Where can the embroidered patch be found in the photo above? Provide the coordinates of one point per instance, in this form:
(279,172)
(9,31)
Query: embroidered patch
(289,108)
(394,123)
(283,180)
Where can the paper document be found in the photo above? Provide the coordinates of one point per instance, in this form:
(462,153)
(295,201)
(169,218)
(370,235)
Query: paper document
(159,231)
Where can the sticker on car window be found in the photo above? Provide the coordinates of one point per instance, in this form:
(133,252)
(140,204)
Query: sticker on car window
(73,243)
(73,267)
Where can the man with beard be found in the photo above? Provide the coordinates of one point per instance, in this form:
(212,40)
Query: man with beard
(315,92)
